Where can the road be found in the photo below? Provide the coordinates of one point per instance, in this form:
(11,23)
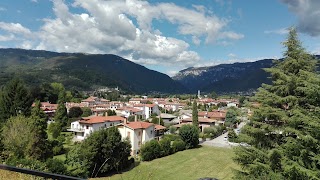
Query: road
(222,141)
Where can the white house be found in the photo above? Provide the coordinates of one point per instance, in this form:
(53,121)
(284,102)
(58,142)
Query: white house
(138,133)
(84,127)
(148,109)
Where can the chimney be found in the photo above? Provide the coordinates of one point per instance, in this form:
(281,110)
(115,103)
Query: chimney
(135,118)
(125,121)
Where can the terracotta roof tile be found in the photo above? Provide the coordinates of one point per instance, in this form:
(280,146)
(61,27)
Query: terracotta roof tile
(139,125)
(100,119)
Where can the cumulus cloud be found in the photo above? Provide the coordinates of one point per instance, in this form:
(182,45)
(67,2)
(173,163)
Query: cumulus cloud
(308,13)
(15,28)
(125,28)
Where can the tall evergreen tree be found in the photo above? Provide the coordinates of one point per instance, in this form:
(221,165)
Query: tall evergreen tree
(15,99)
(61,115)
(195,121)
(284,131)
(39,147)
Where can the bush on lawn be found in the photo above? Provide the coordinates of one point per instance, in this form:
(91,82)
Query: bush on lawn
(178,145)
(150,150)
(190,135)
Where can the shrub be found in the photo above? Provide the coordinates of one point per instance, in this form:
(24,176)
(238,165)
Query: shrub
(172,130)
(178,145)
(211,131)
(190,135)
(150,150)
(165,144)
(54,129)
(172,137)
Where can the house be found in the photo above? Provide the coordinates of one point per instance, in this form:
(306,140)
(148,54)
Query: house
(148,109)
(48,108)
(129,111)
(87,125)
(203,122)
(139,132)
(167,118)
(217,115)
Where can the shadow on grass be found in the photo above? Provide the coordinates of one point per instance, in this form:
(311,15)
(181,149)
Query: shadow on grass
(132,166)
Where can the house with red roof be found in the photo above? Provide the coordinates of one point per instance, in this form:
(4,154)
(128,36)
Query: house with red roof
(87,125)
(139,132)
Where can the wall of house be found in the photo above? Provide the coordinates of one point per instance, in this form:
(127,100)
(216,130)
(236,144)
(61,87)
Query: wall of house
(124,134)
(148,134)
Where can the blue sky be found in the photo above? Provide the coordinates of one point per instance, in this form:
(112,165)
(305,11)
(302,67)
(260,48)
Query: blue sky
(166,36)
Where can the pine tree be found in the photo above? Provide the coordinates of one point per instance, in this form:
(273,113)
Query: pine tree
(15,99)
(195,121)
(39,147)
(284,131)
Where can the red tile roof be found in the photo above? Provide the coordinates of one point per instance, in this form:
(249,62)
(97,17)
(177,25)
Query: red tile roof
(144,105)
(100,119)
(159,127)
(139,125)
(214,114)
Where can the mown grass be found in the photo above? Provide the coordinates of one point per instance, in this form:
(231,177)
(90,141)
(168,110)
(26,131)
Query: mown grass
(190,164)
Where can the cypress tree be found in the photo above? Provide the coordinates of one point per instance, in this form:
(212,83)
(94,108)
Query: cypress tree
(195,121)
(39,147)
(61,115)
(284,131)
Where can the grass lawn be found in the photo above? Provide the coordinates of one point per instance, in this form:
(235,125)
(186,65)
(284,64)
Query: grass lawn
(190,164)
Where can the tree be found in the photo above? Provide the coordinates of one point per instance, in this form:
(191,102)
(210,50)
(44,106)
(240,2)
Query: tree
(284,131)
(111,112)
(190,135)
(16,135)
(157,120)
(75,112)
(213,95)
(195,121)
(39,147)
(231,116)
(86,112)
(150,150)
(61,115)
(15,99)
(103,151)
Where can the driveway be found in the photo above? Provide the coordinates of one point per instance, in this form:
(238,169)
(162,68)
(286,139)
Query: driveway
(219,141)
(222,140)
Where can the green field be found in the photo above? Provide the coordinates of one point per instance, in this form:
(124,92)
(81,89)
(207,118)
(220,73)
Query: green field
(190,164)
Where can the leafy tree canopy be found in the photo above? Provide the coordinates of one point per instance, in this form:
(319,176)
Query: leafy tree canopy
(284,131)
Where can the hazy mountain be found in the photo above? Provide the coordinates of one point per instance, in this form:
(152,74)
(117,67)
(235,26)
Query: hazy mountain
(225,78)
(83,71)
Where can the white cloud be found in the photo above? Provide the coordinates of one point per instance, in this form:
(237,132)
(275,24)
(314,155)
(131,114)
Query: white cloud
(231,55)
(308,13)
(15,28)
(2,9)
(125,28)
(34,1)
(9,37)
(281,31)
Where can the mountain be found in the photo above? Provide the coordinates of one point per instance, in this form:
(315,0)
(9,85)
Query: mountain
(83,71)
(225,78)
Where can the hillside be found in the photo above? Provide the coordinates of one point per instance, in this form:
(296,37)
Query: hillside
(226,78)
(83,71)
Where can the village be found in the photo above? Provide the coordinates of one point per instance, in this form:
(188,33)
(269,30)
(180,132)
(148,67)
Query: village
(135,118)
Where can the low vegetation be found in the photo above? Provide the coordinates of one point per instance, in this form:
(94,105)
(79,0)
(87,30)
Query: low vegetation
(190,164)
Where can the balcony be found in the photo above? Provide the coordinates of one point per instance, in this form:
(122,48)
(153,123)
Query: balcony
(76,129)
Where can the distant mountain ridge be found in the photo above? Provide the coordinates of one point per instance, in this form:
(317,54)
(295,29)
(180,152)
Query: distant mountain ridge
(243,77)
(83,71)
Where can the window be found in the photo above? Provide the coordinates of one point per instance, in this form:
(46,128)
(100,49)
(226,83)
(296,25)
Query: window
(87,127)
(105,125)
(111,124)
(151,132)
(128,135)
